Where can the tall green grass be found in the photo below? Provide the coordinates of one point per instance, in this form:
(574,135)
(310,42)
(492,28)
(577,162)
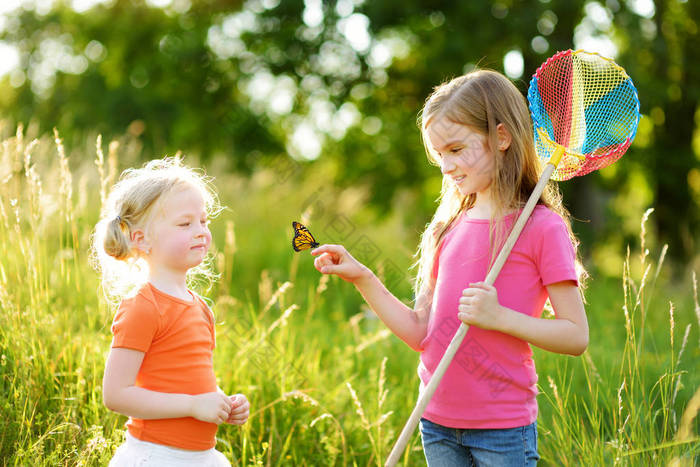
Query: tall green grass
(328,384)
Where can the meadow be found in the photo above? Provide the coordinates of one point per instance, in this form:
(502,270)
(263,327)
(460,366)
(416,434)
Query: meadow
(328,384)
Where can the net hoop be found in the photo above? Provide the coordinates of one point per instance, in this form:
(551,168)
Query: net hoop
(585,103)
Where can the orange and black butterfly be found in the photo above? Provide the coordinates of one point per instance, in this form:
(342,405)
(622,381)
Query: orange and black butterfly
(303,240)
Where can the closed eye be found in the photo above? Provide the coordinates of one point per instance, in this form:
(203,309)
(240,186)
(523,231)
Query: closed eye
(454,150)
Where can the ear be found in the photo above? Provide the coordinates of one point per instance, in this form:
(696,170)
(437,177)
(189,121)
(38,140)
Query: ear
(504,137)
(140,242)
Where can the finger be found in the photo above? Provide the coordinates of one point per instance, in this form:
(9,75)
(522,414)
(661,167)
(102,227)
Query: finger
(324,259)
(239,412)
(465,308)
(239,416)
(236,400)
(482,286)
(332,269)
(465,317)
(475,292)
(243,400)
(238,420)
(328,248)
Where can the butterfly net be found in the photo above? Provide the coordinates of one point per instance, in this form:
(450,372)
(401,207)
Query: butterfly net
(587,104)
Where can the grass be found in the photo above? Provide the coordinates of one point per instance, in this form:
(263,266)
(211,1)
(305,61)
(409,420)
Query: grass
(328,384)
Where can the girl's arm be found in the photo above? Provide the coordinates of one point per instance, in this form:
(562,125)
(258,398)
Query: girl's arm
(409,325)
(120,395)
(567,334)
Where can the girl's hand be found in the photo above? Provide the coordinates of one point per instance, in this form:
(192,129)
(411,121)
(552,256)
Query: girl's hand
(211,407)
(240,410)
(478,306)
(335,259)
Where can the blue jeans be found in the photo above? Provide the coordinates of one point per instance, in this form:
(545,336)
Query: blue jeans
(452,447)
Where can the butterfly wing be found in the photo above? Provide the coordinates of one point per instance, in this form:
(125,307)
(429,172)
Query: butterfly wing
(303,240)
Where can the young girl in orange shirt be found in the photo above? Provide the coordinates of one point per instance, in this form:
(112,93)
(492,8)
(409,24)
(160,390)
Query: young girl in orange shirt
(152,236)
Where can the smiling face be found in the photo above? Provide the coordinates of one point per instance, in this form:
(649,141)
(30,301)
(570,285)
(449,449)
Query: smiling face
(462,154)
(178,234)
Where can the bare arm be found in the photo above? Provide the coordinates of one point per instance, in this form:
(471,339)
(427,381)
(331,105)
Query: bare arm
(408,324)
(122,396)
(567,334)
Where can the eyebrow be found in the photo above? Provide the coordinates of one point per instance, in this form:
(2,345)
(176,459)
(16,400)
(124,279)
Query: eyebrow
(190,215)
(450,143)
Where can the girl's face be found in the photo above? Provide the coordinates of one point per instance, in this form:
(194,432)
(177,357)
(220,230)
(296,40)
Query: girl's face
(179,232)
(463,155)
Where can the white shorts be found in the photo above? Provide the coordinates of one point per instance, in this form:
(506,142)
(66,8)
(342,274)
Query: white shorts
(135,452)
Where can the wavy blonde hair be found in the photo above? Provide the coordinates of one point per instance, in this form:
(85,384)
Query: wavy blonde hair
(481,100)
(131,205)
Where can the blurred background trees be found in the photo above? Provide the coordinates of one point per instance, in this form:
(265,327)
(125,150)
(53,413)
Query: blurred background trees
(342,82)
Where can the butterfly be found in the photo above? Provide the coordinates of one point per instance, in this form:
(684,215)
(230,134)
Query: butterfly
(303,240)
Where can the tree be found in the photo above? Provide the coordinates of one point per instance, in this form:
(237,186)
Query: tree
(664,59)
(343,82)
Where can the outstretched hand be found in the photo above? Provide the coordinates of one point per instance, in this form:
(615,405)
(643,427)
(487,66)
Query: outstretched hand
(335,259)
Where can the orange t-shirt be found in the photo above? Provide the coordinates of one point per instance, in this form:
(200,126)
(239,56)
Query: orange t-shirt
(178,339)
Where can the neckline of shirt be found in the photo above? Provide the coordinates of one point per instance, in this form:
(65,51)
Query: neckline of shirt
(464,218)
(173,298)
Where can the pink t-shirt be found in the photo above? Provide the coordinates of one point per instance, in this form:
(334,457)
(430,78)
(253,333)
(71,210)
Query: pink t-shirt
(491,383)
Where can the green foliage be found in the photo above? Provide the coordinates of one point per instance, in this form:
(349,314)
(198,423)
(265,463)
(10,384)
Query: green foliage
(264,78)
(318,368)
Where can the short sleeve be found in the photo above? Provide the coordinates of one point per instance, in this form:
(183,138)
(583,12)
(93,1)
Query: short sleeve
(210,318)
(135,324)
(556,257)
(436,259)
(436,266)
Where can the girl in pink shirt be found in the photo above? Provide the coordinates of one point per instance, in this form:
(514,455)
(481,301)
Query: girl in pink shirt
(477,129)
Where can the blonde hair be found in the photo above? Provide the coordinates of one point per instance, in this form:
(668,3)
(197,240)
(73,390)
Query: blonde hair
(131,205)
(481,100)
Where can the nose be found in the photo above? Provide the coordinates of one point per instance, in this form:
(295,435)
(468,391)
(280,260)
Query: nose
(446,166)
(203,230)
